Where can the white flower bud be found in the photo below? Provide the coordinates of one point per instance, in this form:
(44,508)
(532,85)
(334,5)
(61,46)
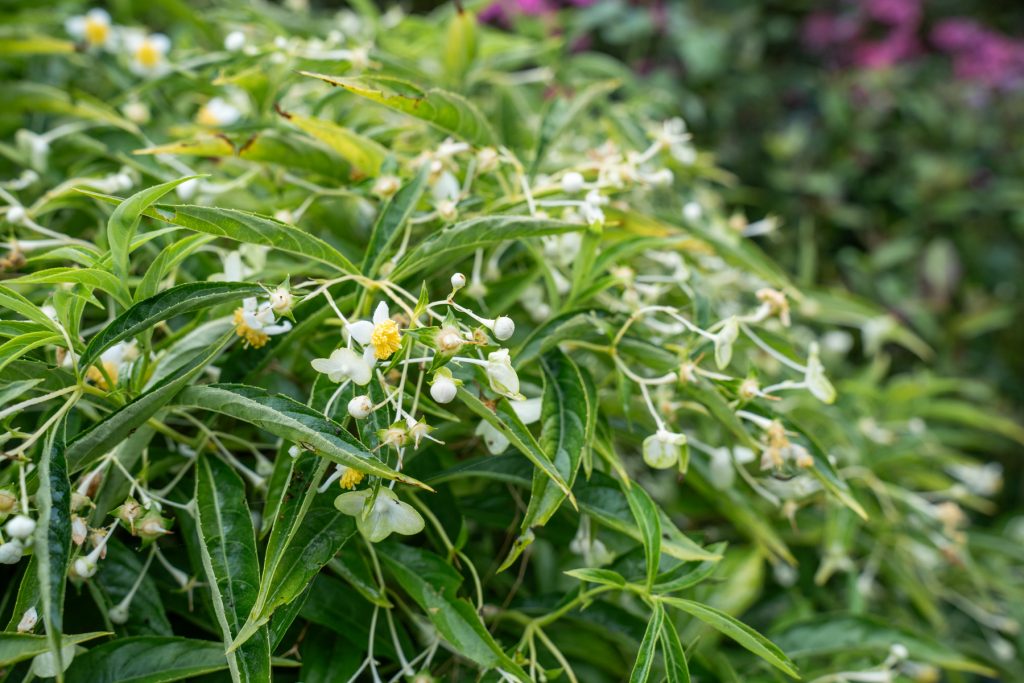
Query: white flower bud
(360,406)
(28,620)
(487,159)
(458,281)
(663,449)
(899,651)
(572,182)
(449,340)
(20,527)
(234,41)
(281,301)
(7,501)
(16,214)
(119,613)
(386,186)
(447,210)
(294,451)
(503,328)
(85,567)
(443,389)
(136,112)
(692,211)
(188,189)
(749,389)
(502,375)
(10,552)
(79,530)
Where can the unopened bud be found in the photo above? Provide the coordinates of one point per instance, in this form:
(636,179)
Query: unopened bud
(572,182)
(444,387)
(449,340)
(119,613)
(360,407)
(503,328)
(10,552)
(79,530)
(282,301)
(20,527)
(386,186)
(152,526)
(16,215)
(458,281)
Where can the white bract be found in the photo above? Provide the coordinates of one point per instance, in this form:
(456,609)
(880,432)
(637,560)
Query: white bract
(528,411)
(501,375)
(388,514)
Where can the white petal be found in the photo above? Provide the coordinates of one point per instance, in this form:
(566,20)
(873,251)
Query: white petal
(494,440)
(325,365)
(528,410)
(404,518)
(361,372)
(352,503)
(380,314)
(161,42)
(75,26)
(361,331)
(100,15)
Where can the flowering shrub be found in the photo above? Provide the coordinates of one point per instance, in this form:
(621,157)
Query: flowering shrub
(372,347)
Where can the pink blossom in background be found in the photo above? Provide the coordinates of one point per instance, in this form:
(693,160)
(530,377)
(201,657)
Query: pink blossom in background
(822,30)
(956,34)
(900,13)
(899,46)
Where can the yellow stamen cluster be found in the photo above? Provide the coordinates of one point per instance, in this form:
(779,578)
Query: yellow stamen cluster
(97,377)
(385,339)
(96,31)
(147,54)
(778,442)
(206,117)
(351,478)
(254,338)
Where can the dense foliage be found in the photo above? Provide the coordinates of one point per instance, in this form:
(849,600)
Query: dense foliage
(362,346)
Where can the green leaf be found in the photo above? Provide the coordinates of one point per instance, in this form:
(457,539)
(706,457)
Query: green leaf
(605,577)
(17,647)
(147,659)
(228,546)
(561,113)
(291,421)
(738,631)
(362,152)
(93,278)
(676,668)
(648,646)
(169,257)
(444,110)
(645,512)
(109,432)
(456,241)
(392,217)
(16,302)
(124,221)
(186,298)
(432,584)
(35,45)
(52,548)
(15,348)
(512,428)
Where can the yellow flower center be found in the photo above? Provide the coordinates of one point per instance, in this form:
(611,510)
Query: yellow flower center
(253,338)
(351,478)
(385,339)
(97,376)
(206,117)
(96,31)
(147,55)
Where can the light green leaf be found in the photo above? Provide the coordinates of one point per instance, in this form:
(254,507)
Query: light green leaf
(365,154)
(648,646)
(444,110)
(93,278)
(645,512)
(676,668)
(15,348)
(16,302)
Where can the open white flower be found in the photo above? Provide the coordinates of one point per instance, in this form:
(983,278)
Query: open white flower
(257,322)
(345,364)
(379,337)
(148,53)
(502,375)
(112,361)
(388,515)
(218,112)
(93,28)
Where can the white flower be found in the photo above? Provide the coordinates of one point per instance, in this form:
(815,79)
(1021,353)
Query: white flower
(816,380)
(981,479)
(676,140)
(28,620)
(345,364)
(20,527)
(724,340)
(503,328)
(10,552)
(501,375)
(663,449)
(487,160)
(16,215)
(528,412)
(218,112)
(257,322)
(93,27)
(188,189)
(385,186)
(444,387)
(360,406)
(234,41)
(592,214)
(380,337)
(692,211)
(136,111)
(388,515)
(148,53)
(572,182)
(446,187)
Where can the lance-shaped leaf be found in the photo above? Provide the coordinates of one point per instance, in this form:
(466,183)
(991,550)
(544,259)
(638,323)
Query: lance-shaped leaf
(392,217)
(13,301)
(15,348)
(147,659)
(738,631)
(186,298)
(227,543)
(505,420)
(92,278)
(645,512)
(676,668)
(293,422)
(53,541)
(432,583)
(454,242)
(17,647)
(645,654)
(109,432)
(444,110)
(362,152)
